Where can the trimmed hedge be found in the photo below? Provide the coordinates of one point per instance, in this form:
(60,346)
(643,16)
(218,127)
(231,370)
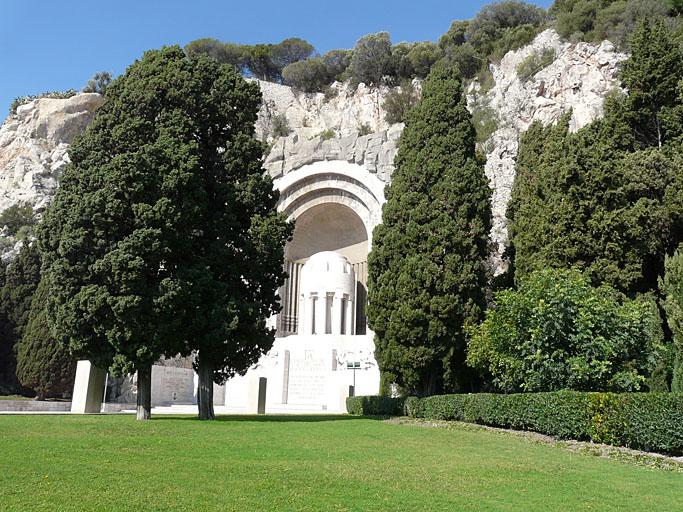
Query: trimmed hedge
(374,406)
(646,421)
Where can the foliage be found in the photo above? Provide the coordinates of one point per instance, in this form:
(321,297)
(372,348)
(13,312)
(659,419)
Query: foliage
(426,270)
(607,198)
(399,101)
(98,83)
(18,282)
(225,53)
(280,127)
(364,129)
(671,287)
(337,63)
(535,63)
(646,421)
(484,119)
(306,75)
(410,60)
(374,406)
(23,100)
(163,237)
(371,59)
(652,76)
(43,364)
(291,50)
(465,58)
(16,217)
(595,20)
(327,134)
(494,22)
(558,332)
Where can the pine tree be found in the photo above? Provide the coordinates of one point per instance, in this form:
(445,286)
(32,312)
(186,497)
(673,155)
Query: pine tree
(43,364)
(427,271)
(150,241)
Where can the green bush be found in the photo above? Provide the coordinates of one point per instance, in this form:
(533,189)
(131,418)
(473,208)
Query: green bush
(280,126)
(646,421)
(556,331)
(535,63)
(16,217)
(374,405)
(399,101)
(327,134)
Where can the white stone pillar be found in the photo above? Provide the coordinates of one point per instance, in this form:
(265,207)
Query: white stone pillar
(304,315)
(337,305)
(349,317)
(320,311)
(88,388)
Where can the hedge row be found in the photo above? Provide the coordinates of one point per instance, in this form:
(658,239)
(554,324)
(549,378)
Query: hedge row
(646,421)
(374,406)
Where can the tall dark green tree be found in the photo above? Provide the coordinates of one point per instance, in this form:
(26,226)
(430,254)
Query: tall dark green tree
(672,289)
(18,282)
(160,201)
(427,271)
(43,364)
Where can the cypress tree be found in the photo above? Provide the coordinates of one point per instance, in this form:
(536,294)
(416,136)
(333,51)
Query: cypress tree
(671,287)
(150,241)
(427,271)
(43,364)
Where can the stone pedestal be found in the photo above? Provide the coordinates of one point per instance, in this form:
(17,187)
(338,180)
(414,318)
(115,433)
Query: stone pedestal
(88,389)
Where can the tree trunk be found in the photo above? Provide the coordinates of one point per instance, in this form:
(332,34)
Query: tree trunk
(144,410)
(205,391)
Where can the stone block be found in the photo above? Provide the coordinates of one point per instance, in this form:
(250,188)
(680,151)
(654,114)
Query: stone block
(88,388)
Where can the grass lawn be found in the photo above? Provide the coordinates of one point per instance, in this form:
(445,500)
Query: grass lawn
(305,463)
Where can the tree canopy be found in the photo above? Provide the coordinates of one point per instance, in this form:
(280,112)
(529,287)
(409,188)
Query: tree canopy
(150,241)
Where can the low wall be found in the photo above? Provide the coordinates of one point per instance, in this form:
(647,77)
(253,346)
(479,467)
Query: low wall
(33,406)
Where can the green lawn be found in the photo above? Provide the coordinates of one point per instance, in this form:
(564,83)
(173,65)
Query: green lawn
(305,463)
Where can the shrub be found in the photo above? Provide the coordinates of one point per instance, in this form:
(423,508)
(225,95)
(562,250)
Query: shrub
(364,129)
(374,405)
(647,421)
(17,216)
(399,101)
(327,134)
(535,63)
(23,100)
(485,120)
(280,127)
(558,332)
(336,63)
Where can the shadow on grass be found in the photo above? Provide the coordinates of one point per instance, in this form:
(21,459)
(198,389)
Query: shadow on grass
(271,418)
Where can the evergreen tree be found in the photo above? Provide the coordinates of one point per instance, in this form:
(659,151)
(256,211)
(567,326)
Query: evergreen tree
(427,271)
(671,287)
(149,241)
(652,76)
(18,282)
(43,364)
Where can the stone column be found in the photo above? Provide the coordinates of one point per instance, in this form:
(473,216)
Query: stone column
(320,311)
(337,305)
(88,388)
(304,312)
(349,317)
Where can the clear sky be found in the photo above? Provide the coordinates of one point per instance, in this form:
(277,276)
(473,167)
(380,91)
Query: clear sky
(59,44)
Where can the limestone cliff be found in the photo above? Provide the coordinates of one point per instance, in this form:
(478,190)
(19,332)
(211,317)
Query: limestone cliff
(34,142)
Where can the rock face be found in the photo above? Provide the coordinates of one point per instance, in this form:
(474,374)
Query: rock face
(34,142)
(33,147)
(578,79)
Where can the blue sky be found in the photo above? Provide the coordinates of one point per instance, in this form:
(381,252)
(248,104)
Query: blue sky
(55,45)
